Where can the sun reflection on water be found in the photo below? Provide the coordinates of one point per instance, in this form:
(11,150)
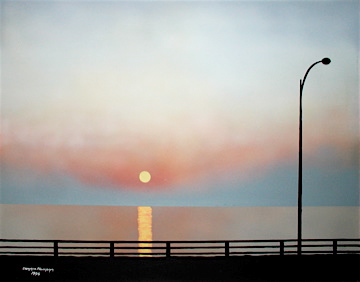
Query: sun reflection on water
(145,230)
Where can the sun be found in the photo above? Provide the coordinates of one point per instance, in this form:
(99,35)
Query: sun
(145,176)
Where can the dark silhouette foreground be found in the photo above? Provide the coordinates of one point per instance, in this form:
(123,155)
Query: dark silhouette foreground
(244,268)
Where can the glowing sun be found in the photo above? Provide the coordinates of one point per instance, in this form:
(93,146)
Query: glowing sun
(145,176)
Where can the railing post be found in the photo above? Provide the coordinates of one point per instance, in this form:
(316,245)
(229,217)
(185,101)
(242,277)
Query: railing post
(112,249)
(168,249)
(281,248)
(334,247)
(56,249)
(227,248)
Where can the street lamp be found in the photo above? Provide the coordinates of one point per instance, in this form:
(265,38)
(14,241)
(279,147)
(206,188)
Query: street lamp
(325,61)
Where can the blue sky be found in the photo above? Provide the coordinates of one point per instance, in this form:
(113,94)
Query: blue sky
(202,94)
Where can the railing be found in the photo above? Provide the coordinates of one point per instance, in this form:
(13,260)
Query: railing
(58,248)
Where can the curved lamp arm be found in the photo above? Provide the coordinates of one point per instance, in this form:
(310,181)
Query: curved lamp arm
(325,61)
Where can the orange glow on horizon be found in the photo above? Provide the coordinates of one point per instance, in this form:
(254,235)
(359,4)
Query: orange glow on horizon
(145,229)
(187,156)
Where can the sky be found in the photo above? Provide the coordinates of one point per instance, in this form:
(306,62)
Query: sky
(203,95)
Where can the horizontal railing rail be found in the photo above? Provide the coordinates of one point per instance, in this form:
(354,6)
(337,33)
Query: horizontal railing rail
(227,248)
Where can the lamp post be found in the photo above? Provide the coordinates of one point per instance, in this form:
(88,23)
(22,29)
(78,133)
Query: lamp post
(325,61)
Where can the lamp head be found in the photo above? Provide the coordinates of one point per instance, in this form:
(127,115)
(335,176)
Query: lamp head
(326,61)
